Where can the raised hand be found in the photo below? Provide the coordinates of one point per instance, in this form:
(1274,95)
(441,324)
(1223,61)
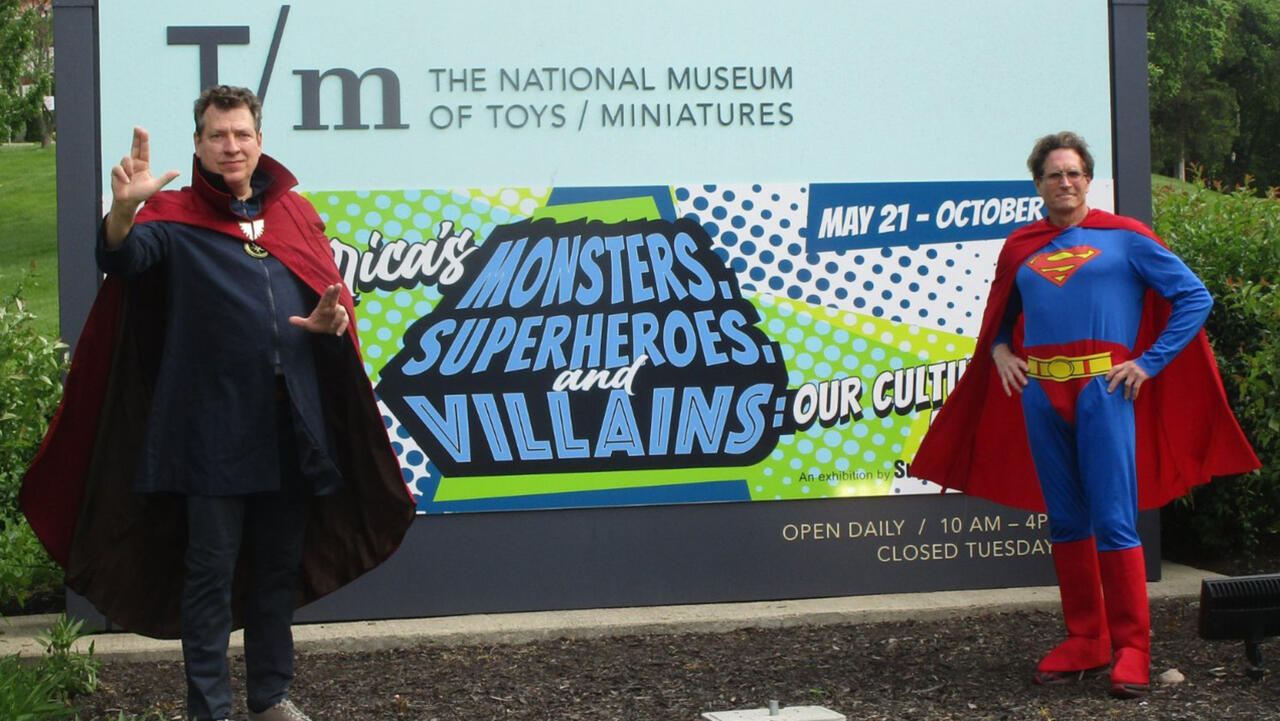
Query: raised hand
(131,184)
(329,316)
(131,180)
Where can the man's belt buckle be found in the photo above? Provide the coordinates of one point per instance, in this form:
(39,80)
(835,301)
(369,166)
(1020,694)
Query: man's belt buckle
(1063,368)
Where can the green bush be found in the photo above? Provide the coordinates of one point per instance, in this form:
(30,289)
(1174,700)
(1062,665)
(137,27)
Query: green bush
(73,673)
(1232,241)
(26,694)
(43,690)
(30,385)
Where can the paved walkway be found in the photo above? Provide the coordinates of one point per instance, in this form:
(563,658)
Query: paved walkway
(18,635)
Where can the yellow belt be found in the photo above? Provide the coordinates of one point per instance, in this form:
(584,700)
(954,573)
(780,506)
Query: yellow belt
(1061,367)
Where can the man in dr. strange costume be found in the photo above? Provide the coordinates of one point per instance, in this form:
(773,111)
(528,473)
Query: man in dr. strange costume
(218,457)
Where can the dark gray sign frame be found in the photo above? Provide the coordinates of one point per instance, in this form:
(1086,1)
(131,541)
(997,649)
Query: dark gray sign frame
(651,555)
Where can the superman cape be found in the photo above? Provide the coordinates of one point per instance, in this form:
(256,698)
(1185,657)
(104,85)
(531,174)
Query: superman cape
(1186,432)
(123,551)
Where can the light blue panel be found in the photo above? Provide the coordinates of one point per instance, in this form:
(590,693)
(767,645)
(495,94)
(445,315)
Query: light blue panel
(877,91)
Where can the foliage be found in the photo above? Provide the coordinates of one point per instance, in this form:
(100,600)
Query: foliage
(26,694)
(1193,113)
(26,66)
(1230,240)
(74,674)
(1251,67)
(1187,39)
(1200,124)
(30,385)
(25,567)
(1214,73)
(153,715)
(42,691)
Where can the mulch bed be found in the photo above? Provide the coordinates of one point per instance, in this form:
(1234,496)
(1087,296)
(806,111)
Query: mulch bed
(971,668)
(975,668)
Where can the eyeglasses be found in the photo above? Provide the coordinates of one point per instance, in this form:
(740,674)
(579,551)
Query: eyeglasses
(1072,175)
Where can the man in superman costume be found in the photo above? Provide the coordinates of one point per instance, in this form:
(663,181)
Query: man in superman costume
(218,456)
(1086,309)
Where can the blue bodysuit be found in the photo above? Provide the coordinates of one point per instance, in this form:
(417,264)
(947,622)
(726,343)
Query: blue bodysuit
(1082,298)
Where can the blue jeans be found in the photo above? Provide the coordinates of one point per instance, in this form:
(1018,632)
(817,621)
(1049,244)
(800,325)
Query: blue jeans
(265,533)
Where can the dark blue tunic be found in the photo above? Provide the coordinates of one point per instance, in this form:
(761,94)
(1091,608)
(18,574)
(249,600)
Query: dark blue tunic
(212,428)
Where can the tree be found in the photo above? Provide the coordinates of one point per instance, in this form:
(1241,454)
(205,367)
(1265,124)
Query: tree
(1193,113)
(1197,126)
(26,66)
(1251,67)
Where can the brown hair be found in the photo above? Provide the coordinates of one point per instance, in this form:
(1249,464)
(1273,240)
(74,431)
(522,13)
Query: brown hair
(1058,141)
(227,97)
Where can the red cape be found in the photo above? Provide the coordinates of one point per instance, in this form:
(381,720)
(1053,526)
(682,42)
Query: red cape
(123,551)
(1186,432)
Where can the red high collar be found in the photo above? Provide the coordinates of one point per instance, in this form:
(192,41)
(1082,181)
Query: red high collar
(275,179)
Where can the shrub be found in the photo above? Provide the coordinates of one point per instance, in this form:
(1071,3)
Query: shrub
(26,694)
(1232,241)
(30,385)
(73,673)
(43,690)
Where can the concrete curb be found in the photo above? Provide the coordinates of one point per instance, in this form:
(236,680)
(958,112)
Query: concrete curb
(1177,581)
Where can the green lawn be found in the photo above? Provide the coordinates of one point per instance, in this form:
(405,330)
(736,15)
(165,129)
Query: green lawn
(29,230)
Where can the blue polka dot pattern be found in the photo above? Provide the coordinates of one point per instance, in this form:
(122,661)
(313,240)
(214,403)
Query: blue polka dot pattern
(896,296)
(779,213)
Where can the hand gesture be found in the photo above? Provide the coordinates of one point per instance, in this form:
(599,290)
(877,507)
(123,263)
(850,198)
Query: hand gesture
(131,185)
(329,315)
(131,180)
(1011,368)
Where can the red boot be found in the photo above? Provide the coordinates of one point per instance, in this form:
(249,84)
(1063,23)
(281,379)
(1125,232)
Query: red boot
(1088,645)
(1124,579)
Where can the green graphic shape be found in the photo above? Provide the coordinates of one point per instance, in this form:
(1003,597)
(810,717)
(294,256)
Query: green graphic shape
(822,344)
(352,216)
(608,211)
